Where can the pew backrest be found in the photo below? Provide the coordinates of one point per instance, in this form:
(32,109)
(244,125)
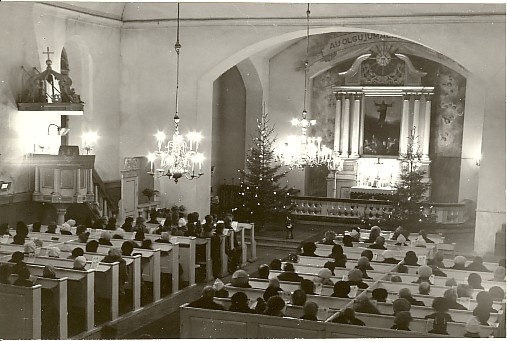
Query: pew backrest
(21,312)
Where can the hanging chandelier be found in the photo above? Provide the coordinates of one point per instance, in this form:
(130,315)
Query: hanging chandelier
(300,151)
(180,156)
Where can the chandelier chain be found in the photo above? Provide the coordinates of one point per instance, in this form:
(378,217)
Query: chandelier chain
(307,53)
(177,48)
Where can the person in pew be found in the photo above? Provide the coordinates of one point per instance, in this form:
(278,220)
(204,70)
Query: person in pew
(51,228)
(496,293)
(340,261)
(49,272)
(21,228)
(475,281)
(207,227)
(402,269)
(4,229)
(114,255)
(336,251)
(424,272)
(38,243)
(80,229)
(379,244)
(437,272)
(273,289)
(206,300)
(308,286)
(484,300)
(274,306)
(79,263)
(128,247)
(18,239)
(92,246)
(263,271)
(379,294)
(440,317)
(76,252)
(177,232)
(341,289)
(298,297)
(499,274)
(451,282)
(420,242)
(240,278)
(472,328)
(164,238)
(165,227)
(127,225)
(5,273)
(147,244)
(362,304)
(23,276)
(310,310)
(459,263)
(140,226)
(401,304)
(323,277)
(65,229)
(356,278)
(289,275)
(331,266)
(36,226)
(105,238)
(53,252)
(437,260)
(407,294)
(347,241)
(363,264)
(309,249)
(153,217)
(17,257)
(424,288)
(239,303)
(464,290)
(29,247)
(482,314)
(348,316)
(220,290)
(119,233)
(424,235)
(139,236)
(451,296)
(400,231)
(401,241)
(410,259)
(477,265)
(402,321)
(216,257)
(388,256)
(374,234)
(83,237)
(368,254)
(396,279)
(276,264)
(329,238)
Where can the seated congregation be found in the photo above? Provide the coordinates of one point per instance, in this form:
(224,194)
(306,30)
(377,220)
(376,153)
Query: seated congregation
(363,284)
(78,277)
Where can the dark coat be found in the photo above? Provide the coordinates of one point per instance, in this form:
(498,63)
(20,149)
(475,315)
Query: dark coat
(206,303)
(290,277)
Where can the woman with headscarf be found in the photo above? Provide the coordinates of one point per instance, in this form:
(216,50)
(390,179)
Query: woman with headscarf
(363,264)
(49,272)
(53,252)
(29,248)
(401,240)
(127,225)
(65,229)
(410,259)
(341,289)
(115,255)
(362,304)
(347,241)
(105,238)
(475,281)
(356,278)
(424,272)
(374,234)
(459,263)
(323,277)
(329,238)
(388,256)
(272,289)
(379,244)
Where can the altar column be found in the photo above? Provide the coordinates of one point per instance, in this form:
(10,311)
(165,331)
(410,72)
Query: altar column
(78,182)
(354,144)
(345,127)
(404,124)
(90,181)
(415,123)
(37,180)
(56,181)
(426,127)
(337,121)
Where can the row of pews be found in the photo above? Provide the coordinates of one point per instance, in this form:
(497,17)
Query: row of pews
(85,299)
(197,323)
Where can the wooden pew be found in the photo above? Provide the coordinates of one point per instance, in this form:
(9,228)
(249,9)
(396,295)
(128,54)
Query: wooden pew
(59,288)
(321,261)
(395,287)
(252,245)
(489,265)
(355,252)
(327,290)
(208,263)
(199,323)
(310,272)
(187,257)
(21,312)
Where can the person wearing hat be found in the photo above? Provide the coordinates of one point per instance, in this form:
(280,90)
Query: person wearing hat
(402,321)
(401,240)
(379,294)
(355,277)
(459,263)
(407,294)
(477,265)
(76,252)
(239,303)
(310,310)
(127,225)
(240,279)
(289,275)
(49,272)
(80,263)
(272,289)
(388,256)
(17,257)
(323,277)
(220,290)
(379,244)
(54,252)
(263,271)
(347,241)
(424,272)
(206,300)
(65,229)
(30,248)
(410,259)
(355,235)
(105,238)
(472,328)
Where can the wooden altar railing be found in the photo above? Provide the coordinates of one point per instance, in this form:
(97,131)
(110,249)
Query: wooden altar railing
(356,209)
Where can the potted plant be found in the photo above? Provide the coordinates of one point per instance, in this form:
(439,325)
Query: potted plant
(149,193)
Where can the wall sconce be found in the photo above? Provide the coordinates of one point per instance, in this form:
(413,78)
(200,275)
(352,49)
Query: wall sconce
(478,158)
(60,131)
(89,140)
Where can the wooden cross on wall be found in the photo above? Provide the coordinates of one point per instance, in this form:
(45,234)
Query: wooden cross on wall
(48,52)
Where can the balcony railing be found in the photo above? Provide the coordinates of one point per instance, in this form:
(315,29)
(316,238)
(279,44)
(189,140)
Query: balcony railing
(357,209)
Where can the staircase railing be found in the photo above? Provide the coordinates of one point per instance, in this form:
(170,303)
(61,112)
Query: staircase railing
(351,209)
(103,205)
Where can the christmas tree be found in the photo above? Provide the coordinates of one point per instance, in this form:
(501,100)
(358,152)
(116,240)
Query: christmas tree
(262,198)
(411,209)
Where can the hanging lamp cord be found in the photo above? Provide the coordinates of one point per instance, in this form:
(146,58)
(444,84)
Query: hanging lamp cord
(177,48)
(306,60)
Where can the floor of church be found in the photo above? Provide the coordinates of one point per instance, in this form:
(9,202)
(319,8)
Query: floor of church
(161,320)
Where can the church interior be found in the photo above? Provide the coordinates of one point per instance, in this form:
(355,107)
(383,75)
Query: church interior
(293,128)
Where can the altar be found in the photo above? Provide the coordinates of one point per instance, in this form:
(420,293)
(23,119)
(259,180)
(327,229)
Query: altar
(372,193)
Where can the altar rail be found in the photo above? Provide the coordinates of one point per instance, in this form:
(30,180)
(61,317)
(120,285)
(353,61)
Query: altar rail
(356,209)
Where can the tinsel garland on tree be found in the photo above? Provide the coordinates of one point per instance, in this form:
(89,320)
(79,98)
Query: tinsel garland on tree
(262,198)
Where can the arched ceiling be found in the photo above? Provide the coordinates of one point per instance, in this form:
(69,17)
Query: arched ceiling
(155,11)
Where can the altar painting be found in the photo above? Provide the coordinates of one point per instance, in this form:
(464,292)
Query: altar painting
(382,121)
